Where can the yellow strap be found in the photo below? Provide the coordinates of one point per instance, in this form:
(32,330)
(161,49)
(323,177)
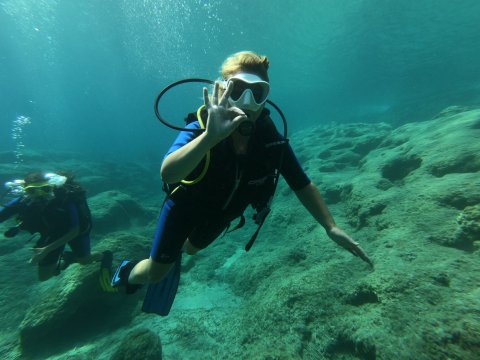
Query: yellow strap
(207,156)
(37,185)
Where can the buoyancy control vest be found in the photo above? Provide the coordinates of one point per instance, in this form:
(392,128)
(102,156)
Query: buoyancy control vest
(227,183)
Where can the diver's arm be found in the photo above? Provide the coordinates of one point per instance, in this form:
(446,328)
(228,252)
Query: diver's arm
(70,235)
(40,253)
(10,209)
(183,161)
(311,199)
(73,231)
(222,121)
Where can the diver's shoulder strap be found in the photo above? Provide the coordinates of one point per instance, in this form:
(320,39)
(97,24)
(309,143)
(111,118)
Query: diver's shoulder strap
(201,117)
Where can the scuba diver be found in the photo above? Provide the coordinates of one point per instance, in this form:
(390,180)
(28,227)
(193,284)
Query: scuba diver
(228,157)
(55,207)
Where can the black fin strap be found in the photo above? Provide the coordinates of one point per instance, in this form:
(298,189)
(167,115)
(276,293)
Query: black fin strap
(254,236)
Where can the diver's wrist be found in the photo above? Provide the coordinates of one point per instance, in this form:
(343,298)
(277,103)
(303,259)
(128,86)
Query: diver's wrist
(210,140)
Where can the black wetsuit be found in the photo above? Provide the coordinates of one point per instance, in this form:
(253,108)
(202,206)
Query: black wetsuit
(201,212)
(51,219)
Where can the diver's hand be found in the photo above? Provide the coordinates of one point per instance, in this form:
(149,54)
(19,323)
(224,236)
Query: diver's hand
(38,255)
(222,119)
(345,241)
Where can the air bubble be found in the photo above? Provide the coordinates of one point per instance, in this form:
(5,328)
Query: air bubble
(18,130)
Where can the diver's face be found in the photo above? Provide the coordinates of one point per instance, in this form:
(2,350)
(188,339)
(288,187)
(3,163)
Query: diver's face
(38,193)
(249,94)
(254,115)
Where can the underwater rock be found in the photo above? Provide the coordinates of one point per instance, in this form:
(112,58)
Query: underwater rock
(76,308)
(400,167)
(476,124)
(347,158)
(334,195)
(367,144)
(140,344)
(329,167)
(460,198)
(371,210)
(452,110)
(461,163)
(95,184)
(469,228)
(8,246)
(393,141)
(361,214)
(114,210)
(341,145)
(363,294)
(383,184)
(460,339)
(296,256)
(465,235)
(325,154)
(346,343)
(70,313)
(442,279)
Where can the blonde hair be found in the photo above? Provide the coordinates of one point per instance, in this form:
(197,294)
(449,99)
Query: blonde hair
(247,61)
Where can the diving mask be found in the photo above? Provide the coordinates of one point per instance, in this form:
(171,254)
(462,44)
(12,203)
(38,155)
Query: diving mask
(38,189)
(249,91)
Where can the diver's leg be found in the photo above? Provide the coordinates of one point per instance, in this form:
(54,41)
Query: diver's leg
(148,271)
(174,224)
(49,265)
(81,249)
(204,234)
(93,257)
(189,248)
(46,272)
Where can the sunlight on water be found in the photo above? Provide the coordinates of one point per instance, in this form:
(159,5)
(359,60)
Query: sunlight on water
(34,25)
(158,31)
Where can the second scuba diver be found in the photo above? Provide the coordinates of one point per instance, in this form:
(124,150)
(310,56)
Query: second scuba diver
(54,206)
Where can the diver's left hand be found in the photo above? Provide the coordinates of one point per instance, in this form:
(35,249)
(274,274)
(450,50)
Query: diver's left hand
(345,241)
(38,255)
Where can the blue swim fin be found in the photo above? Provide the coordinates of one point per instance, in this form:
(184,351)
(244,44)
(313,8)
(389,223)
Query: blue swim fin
(120,278)
(159,297)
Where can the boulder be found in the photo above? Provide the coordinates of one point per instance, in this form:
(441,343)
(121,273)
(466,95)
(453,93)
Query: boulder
(76,309)
(140,344)
(115,210)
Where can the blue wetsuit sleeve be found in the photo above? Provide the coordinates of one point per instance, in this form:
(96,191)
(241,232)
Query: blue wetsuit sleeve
(184,137)
(73,215)
(10,209)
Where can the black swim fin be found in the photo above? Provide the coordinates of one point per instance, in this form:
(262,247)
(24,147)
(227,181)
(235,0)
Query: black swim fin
(159,297)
